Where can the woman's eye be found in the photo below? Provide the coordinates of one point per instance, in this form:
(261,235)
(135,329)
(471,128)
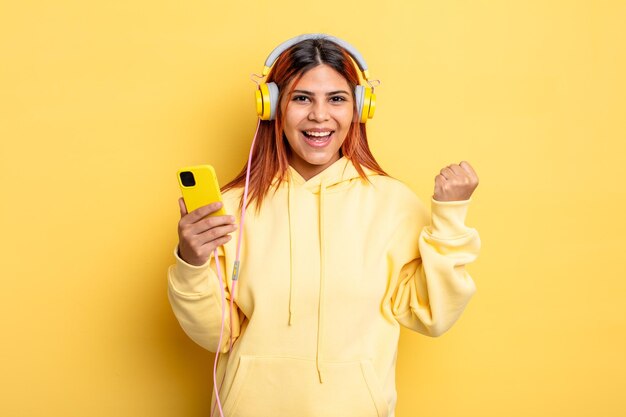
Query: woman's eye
(337,99)
(300,98)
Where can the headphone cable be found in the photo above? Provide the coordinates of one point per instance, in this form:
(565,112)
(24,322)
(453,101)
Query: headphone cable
(235,277)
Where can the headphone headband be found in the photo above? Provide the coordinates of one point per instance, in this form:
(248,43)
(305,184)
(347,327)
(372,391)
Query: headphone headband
(356,55)
(268,95)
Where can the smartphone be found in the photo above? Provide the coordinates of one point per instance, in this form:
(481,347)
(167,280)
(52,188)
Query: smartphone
(199,187)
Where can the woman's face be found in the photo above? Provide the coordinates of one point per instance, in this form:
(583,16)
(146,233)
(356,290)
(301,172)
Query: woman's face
(317,119)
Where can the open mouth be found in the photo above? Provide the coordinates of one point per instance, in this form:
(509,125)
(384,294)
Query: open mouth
(314,138)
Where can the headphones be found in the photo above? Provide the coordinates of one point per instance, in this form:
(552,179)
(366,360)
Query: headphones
(267,93)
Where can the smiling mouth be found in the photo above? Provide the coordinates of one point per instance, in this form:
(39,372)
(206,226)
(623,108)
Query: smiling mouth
(317,136)
(318,139)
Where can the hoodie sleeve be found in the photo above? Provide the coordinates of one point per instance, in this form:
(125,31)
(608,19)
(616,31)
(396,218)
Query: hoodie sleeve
(196,299)
(431,284)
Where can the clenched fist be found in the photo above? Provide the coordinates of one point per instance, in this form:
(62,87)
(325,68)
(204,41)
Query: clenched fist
(455,182)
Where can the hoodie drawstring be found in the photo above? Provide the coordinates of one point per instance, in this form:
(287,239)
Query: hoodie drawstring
(342,172)
(320,315)
(289,207)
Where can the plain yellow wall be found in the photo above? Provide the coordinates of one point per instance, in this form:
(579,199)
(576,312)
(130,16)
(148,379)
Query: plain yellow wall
(102,102)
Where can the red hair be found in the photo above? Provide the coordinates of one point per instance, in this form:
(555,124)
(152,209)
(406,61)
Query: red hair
(270,157)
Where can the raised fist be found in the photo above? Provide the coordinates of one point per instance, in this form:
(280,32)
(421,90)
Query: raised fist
(455,182)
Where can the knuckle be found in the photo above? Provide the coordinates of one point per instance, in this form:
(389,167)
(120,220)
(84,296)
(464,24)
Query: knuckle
(211,208)
(218,232)
(199,213)
(210,234)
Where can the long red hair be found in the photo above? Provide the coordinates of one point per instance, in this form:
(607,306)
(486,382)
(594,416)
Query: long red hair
(270,157)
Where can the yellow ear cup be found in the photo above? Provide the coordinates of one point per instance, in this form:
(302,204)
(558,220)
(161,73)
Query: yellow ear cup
(366,111)
(263,108)
(370,114)
(259,102)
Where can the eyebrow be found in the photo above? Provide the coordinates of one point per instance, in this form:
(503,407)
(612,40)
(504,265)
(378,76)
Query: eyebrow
(332,93)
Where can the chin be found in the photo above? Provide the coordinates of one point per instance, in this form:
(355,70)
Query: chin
(320,159)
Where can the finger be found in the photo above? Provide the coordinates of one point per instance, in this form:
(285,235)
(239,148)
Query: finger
(182,207)
(458,170)
(210,223)
(218,242)
(468,168)
(201,212)
(216,233)
(446,173)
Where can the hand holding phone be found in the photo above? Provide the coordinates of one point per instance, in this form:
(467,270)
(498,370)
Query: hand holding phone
(205,226)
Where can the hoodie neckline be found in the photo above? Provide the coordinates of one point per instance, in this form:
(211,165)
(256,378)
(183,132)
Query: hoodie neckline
(338,174)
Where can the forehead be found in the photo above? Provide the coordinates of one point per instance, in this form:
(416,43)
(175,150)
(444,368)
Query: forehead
(322,78)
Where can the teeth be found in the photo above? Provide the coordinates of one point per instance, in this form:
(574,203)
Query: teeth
(318,134)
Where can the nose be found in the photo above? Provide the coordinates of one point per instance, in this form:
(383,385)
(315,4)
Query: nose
(319,112)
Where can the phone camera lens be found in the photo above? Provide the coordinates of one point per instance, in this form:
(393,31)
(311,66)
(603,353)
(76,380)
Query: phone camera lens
(186,177)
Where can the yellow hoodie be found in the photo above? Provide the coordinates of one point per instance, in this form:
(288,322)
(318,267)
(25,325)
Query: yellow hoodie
(330,269)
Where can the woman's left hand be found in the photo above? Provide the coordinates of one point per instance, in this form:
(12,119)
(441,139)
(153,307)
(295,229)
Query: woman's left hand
(455,182)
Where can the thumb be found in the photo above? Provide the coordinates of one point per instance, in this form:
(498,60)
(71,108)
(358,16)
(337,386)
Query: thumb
(181,205)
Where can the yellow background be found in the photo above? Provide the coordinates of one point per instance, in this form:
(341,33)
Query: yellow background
(102,102)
